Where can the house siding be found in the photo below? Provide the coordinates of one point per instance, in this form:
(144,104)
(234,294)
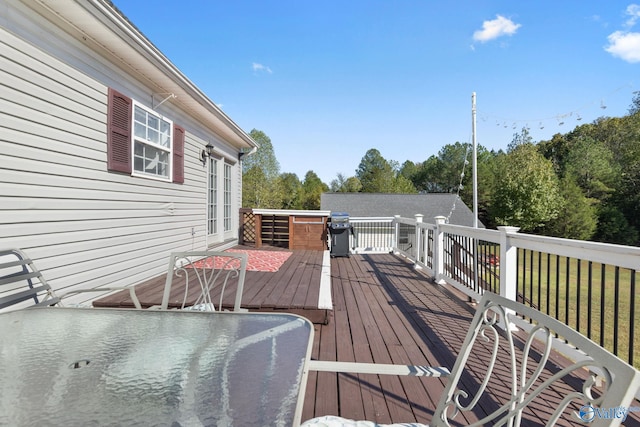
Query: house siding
(86,227)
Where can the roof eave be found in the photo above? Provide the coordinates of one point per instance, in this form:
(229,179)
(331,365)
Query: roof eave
(99,22)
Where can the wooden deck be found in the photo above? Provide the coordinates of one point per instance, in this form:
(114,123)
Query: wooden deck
(386,312)
(294,288)
(383,312)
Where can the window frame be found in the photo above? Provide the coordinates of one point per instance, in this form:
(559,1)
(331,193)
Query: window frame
(120,140)
(157,146)
(212,197)
(228,197)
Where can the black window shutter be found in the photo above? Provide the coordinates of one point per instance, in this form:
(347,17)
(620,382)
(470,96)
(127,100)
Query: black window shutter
(119,132)
(178,154)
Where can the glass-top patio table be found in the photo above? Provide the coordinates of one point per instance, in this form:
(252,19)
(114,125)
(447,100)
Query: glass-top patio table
(73,366)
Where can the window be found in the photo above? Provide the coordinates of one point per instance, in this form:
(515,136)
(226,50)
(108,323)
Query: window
(151,143)
(212,197)
(142,143)
(227,197)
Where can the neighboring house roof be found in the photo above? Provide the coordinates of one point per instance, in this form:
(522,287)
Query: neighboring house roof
(107,31)
(406,205)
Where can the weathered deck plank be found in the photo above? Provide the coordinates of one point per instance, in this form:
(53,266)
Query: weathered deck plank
(384,312)
(293,288)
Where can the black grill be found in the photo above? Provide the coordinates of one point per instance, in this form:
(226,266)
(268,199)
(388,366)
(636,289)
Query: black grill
(339,229)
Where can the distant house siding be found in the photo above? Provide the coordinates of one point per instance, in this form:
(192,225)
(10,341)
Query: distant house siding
(84,226)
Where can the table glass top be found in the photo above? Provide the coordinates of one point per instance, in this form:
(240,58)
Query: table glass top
(126,367)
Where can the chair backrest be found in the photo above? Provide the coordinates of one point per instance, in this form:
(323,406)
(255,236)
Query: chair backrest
(207,275)
(21,283)
(594,385)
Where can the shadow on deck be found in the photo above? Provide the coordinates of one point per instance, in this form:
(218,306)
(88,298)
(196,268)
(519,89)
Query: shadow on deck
(384,311)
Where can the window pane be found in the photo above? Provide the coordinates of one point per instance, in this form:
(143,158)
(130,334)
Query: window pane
(140,116)
(140,131)
(165,134)
(150,160)
(153,122)
(153,136)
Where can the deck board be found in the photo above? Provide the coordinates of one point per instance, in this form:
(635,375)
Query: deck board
(293,288)
(384,311)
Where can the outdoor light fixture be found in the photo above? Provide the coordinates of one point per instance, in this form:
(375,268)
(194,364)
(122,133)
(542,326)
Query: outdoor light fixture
(207,152)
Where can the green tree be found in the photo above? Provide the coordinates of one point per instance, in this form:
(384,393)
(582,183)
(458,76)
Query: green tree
(591,163)
(442,173)
(578,214)
(260,178)
(342,184)
(291,189)
(377,175)
(260,192)
(613,227)
(312,189)
(264,157)
(526,193)
(409,170)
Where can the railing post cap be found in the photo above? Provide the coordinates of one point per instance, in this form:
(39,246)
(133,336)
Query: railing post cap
(419,217)
(440,219)
(508,229)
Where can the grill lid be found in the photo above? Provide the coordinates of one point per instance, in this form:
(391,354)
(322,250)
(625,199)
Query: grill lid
(339,217)
(339,220)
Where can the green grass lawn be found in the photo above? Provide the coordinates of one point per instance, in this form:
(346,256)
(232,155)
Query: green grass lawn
(550,282)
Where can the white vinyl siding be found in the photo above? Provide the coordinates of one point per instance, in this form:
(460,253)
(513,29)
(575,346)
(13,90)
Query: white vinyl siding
(84,226)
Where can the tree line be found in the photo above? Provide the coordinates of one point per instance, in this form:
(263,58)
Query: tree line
(584,184)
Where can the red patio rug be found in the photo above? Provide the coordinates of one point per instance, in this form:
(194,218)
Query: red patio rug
(269,261)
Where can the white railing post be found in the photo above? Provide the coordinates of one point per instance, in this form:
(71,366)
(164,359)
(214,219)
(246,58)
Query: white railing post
(508,263)
(396,233)
(438,251)
(418,240)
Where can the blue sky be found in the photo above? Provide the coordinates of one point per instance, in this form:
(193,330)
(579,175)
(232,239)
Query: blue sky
(328,80)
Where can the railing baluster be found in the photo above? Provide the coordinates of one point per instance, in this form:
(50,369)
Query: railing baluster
(548,282)
(566,290)
(616,312)
(589,298)
(557,286)
(539,303)
(531,278)
(602,304)
(632,310)
(578,284)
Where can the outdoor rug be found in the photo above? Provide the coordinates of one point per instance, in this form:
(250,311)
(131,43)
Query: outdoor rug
(267,261)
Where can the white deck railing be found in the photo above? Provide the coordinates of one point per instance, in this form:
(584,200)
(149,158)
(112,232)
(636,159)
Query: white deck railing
(587,285)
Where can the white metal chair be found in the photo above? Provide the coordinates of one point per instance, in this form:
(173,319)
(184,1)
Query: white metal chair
(21,283)
(212,273)
(594,385)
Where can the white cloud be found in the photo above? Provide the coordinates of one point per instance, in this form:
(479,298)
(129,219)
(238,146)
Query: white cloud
(633,10)
(624,45)
(493,29)
(261,68)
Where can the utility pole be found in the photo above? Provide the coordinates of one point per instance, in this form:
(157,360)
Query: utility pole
(475,160)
